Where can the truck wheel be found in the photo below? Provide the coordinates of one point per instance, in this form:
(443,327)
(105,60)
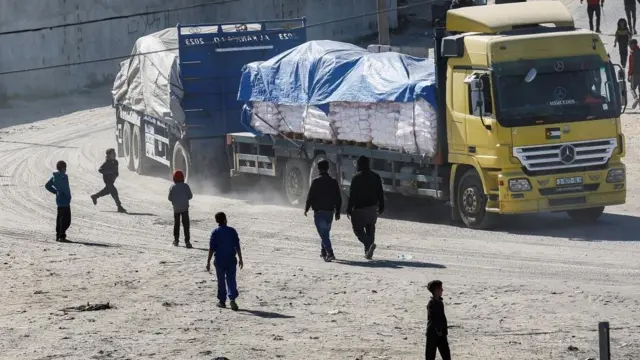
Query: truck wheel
(126,146)
(472,202)
(138,151)
(333,171)
(296,181)
(181,160)
(586,215)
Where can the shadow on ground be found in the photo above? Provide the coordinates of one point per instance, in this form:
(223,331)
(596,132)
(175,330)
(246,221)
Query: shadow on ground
(391,264)
(265,314)
(26,111)
(86,243)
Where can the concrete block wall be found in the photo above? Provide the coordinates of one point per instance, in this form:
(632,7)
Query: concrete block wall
(115,38)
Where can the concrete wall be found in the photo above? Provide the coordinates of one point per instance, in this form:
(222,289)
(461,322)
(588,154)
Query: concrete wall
(115,38)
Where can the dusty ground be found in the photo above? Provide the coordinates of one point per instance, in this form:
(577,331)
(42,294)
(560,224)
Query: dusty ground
(526,292)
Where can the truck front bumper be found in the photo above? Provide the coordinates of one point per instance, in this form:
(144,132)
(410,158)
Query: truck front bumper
(560,192)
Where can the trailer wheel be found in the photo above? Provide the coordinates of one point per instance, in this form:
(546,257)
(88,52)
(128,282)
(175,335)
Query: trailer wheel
(181,160)
(586,215)
(333,171)
(138,151)
(126,146)
(296,181)
(472,202)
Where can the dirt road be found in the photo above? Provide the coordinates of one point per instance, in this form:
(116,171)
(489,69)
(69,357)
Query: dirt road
(527,292)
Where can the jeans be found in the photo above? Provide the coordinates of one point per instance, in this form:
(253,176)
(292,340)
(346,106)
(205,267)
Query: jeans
(435,342)
(109,189)
(363,222)
(185,224)
(226,274)
(631,17)
(323,221)
(624,55)
(63,221)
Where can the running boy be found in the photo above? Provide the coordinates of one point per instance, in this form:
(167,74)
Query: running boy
(179,195)
(225,244)
(109,171)
(436,324)
(59,185)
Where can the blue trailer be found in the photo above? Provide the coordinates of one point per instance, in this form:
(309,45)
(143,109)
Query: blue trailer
(210,60)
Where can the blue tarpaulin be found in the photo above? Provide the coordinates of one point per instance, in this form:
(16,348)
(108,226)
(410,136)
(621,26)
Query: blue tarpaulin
(322,72)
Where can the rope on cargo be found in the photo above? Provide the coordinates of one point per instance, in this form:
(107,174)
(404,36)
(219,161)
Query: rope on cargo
(122,57)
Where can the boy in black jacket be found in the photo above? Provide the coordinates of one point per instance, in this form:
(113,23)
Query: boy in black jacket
(436,324)
(109,171)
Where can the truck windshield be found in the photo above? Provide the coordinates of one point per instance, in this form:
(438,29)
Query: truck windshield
(552,97)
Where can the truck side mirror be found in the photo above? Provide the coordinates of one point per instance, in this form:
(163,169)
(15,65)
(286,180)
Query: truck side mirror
(622,88)
(477,98)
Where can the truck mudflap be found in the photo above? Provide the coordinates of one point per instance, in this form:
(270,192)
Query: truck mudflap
(209,168)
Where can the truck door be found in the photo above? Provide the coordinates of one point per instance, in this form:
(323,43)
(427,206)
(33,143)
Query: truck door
(458,106)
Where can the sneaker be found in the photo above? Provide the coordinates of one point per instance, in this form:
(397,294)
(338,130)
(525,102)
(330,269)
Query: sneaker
(121,209)
(221,305)
(323,253)
(63,239)
(175,243)
(188,245)
(94,199)
(330,257)
(234,305)
(369,255)
(57,238)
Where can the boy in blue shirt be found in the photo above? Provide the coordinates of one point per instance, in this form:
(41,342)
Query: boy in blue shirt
(225,244)
(58,184)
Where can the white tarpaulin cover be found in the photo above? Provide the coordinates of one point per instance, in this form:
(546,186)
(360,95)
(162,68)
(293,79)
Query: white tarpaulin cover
(149,81)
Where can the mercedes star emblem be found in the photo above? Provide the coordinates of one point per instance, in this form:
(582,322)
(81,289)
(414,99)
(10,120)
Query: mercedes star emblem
(560,93)
(567,154)
(558,66)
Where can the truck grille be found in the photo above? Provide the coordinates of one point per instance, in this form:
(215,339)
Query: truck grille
(565,155)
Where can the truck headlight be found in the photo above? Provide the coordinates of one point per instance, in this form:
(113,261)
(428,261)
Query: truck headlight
(519,185)
(615,176)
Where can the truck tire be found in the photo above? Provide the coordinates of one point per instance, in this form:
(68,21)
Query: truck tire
(472,202)
(586,216)
(126,146)
(333,171)
(295,180)
(138,155)
(181,160)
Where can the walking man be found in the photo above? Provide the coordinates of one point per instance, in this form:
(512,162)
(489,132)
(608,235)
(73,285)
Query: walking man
(109,171)
(634,71)
(326,201)
(366,202)
(593,8)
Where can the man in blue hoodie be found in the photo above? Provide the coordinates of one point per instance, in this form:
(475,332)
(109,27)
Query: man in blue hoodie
(59,185)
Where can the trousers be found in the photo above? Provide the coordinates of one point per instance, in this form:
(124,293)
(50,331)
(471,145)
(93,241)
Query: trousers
(63,221)
(323,221)
(363,222)
(630,11)
(109,189)
(624,55)
(435,342)
(594,10)
(226,275)
(185,224)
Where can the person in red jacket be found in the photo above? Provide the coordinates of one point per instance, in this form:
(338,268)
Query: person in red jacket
(633,73)
(593,7)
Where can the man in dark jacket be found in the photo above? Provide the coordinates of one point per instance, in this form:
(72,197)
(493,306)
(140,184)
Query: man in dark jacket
(109,171)
(593,8)
(366,202)
(436,324)
(325,198)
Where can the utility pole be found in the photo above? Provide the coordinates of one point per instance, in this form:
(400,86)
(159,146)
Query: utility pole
(383,22)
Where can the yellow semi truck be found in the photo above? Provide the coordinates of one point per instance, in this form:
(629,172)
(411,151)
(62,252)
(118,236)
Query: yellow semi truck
(528,121)
(533,109)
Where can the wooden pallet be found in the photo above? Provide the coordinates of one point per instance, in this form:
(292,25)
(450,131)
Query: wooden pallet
(294,136)
(368,144)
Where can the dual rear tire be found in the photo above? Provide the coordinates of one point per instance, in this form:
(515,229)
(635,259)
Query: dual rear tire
(133,148)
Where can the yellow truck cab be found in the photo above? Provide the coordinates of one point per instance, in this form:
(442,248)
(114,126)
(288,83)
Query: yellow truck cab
(532,109)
